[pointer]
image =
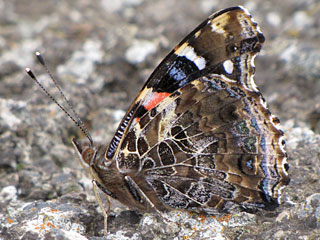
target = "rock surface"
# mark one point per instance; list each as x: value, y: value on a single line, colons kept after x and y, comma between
x: 92, y: 47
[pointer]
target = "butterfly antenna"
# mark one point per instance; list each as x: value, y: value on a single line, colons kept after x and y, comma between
x: 78, y: 122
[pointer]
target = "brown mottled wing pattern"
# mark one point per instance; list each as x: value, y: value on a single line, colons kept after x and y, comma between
x: 207, y: 146
x: 199, y: 136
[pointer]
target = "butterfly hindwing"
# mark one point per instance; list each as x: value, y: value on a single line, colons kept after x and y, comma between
x: 198, y: 150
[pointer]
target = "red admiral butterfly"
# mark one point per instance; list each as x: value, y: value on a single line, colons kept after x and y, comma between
x: 199, y: 135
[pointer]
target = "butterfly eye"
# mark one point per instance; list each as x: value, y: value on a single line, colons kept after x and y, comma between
x: 87, y: 155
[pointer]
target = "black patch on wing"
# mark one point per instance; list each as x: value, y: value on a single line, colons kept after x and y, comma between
x: 177, y: 75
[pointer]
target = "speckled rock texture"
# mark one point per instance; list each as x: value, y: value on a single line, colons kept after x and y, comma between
x: 102, y: 52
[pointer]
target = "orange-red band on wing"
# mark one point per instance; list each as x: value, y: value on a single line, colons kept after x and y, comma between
x: 155, y: 100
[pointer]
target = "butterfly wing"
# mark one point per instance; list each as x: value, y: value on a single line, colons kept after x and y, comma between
x: 199, y: 135
x: 224, y: 44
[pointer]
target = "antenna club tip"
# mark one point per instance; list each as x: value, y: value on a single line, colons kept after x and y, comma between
x: 40, y: 59
x: 30, y: 73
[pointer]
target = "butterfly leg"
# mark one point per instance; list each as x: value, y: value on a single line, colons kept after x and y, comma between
x: 132, y: 184
x: 105, y: 213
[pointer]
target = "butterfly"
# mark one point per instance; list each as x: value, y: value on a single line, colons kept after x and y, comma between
x: 199, y: 135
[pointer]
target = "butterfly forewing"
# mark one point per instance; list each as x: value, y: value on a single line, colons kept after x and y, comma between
x: 223, y: 44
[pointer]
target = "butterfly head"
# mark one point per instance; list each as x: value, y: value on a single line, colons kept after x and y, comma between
x: 88, y: 153
x: 92, y: 157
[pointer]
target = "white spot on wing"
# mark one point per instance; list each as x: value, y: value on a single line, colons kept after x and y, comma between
x: 228, y: 66
x: 282, y: 145
x: 276, y: 125
x: 200, y: 62
x: 190, y: 54
x: 215, y: 27
x: 224, y: 78
x: 253, y: 84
